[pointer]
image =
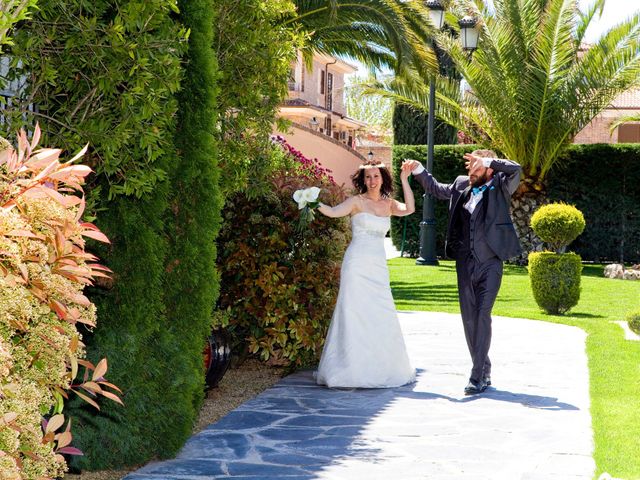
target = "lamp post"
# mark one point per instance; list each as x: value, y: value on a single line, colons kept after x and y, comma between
x: 370, y: 155
x: 313, y: 124
x: 469, y: 34
x: 428, y: 223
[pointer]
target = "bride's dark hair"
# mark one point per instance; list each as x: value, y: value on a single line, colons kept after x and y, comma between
x: 387, y: 182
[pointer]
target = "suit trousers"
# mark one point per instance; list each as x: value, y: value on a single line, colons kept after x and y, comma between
x: 478, y: 285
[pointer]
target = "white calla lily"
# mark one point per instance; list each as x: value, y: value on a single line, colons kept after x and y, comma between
x: 311, y: 194
x: 297, y: 195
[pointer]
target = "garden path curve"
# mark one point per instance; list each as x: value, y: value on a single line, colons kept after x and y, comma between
x: 532, y: 424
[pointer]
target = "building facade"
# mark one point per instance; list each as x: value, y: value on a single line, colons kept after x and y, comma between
x: 599, y: 131
x: 319, y: 125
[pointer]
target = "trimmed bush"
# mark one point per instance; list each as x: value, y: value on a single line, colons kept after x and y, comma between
x: 555, y: 280
x: 633, y: 319
x: 558, y: 224
x: 555, y: 277
x: 279, y: 286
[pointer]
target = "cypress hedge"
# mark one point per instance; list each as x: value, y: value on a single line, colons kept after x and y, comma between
x: 135, y: 339
x: 410, y: 127
x: 191, y: 281
x: 601, y: 180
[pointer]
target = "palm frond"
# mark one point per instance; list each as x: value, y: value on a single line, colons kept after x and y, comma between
x: 532, y: 87
x: 398, y: 29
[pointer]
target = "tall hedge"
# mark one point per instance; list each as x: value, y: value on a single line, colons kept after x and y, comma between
x: 602, y: 181
x: 410, y: 127
x: 135, y: 338
x: 191, y: 281
x: 107, y: 73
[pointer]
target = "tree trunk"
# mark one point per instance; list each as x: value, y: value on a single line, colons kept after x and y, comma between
x: 531, y: 194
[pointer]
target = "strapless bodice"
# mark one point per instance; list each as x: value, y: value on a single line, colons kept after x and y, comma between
x: 365, y: 224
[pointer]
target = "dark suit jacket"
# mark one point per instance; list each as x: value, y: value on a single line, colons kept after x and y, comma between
x: 492, y: 231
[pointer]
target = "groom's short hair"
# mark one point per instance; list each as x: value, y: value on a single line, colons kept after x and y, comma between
x: 485, y: 153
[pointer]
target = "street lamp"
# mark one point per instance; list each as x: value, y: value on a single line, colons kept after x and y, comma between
x: 428, y: 223
x: 313, y: 124
x: 436, y: 12
x: 469, y: 34
x: 370, y: 155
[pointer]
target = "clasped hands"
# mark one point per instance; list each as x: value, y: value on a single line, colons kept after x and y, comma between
x: 472, y: 162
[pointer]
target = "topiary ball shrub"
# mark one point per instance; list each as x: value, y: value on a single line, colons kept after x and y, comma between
x: 558, y: 224
x: 633, y: 319
x: 555, y: 280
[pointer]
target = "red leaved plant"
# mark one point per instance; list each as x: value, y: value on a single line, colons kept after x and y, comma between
x: 44, y: 267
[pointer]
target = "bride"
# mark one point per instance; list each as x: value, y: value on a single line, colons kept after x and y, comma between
x: 364, y: 347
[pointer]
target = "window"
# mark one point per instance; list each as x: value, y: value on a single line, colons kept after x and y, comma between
x: 292, y: 80
x: 322, y: 74
x: 302, y: 79
x: 329, y: 98
x: 327, y: 125
x: 629, y: 133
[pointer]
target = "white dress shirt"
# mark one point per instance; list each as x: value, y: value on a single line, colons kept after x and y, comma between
x: 474, y: 199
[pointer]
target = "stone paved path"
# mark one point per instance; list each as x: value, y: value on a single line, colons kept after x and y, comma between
x: 533, y: 424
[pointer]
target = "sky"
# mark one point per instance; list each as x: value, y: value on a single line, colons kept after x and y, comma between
x: 615, y: 11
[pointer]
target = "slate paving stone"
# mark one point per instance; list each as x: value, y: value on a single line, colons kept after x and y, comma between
x: 295, y: 460
x: 182, y: 466
x: 290, y: 433
x: 323, y: 421
x: 243, y: 420
x: 217, y: 446
x: 261, y: 470
x: 533, y: 424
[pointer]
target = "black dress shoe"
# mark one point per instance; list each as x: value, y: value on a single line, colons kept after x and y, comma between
x: 473, y: 387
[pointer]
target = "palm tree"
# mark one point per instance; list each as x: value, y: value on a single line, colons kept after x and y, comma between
x: 380, y: 33
x: 532, y: 83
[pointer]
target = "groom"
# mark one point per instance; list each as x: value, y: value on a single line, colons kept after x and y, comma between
x: 480, y: 236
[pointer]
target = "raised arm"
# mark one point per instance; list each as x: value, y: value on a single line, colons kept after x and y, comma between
x: 439, y: 190
x: 400, y: 209
x: 511, y: 170
x: 341, y: 210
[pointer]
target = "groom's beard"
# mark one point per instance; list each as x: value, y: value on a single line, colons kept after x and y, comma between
x: 476, y: 180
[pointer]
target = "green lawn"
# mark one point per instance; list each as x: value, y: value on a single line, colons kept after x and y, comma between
x: 614, y: 363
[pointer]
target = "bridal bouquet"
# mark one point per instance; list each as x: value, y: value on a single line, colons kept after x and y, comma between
x: 307, y: 200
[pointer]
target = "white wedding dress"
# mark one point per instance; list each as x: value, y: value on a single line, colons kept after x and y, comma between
x: 364, y: 347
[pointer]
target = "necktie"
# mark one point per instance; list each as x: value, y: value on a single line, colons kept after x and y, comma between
x: 478, y: 190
